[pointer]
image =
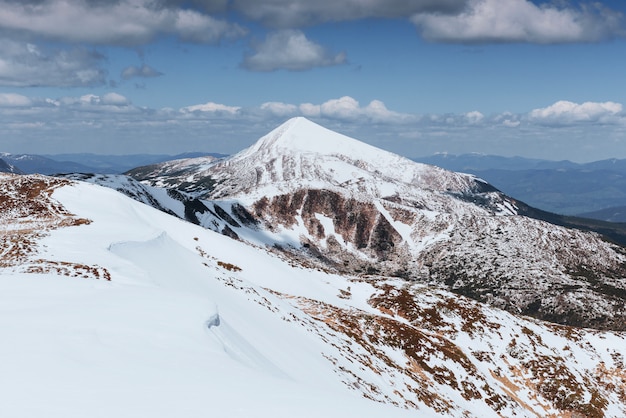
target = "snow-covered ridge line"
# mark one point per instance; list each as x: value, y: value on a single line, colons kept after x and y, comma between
x: 206, y: 321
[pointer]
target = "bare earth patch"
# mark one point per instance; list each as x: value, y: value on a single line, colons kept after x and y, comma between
x: 28, y: 213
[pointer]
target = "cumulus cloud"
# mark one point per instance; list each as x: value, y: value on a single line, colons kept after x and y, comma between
x: 300, y: 13
x: 520, y: 21
x: 290, y: 50
x: 279, y: 108
x: 121, y: 22
x: 511, y: 123
x: 349, y: 109
x: 27, y: 65
x: 474, y: 117
x: 565, y: 112
x: 145, y: 71
x: 14, y: 100
x: 211, y: 107
x: 115, y: 99
x: 345, y: 108
x: 310, y: 110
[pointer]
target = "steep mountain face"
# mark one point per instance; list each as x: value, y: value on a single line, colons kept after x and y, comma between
x: 334, y: 202
x: 105, y: 302
x: 8, y: 168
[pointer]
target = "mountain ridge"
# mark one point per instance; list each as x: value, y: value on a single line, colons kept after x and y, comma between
x: 395, y: 217
x: 104, y: 305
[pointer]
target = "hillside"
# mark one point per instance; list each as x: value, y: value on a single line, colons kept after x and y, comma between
x: 107, y: 302
x: 327, y: 200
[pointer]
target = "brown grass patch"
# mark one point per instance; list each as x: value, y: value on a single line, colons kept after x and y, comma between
x: 28, y: 213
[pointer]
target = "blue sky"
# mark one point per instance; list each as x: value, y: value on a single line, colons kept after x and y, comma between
x: 509, y: 77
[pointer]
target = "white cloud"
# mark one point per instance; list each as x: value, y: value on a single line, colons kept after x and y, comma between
x: 565, y: 112
x: 290, y: 50
x: 520, y: 21
x: 279, y: 109
x: 509, y: 123
x: 190, y: 25
x: 27, y: 65
x: 14, y: 100
x: 115, y: 99
x: 378, y: 112
x: 343, y: 108
x: 348, y: 108
x: 474, y: 117
x: 310, y: 110
x: 211, y: 107
x: 121, y: 22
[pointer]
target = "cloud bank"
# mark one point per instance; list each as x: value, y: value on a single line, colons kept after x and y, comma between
x: 564, y: 112
x: 82, y: 29
x: 121, y: 22
x: 111, y: 123
x: 498, y: 21
x: 24, y: 64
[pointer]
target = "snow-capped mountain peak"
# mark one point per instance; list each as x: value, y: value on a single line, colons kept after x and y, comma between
x: 302, y: 154
x: 301, y: 135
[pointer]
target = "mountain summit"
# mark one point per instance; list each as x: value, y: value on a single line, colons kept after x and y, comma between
x: 300, y: 153
x: 300, y: 135
x: 324, y: 199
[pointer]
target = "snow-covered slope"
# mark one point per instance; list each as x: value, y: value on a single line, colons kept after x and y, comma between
x: 184, y: 174
x: 334, y: 202
x: 111, y: 308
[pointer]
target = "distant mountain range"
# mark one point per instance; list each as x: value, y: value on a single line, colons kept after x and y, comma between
x: 89, y: 163
x: 596, y: 189
x: 8, y: 168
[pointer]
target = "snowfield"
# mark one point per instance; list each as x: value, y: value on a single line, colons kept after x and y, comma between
x: 188, y: 322
x: 165, y: 336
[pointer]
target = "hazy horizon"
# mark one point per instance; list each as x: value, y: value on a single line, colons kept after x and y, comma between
x: 523, y: 78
